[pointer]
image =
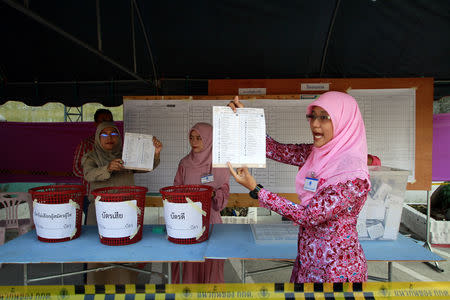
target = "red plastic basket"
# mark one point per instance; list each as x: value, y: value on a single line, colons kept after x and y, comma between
x: 59, y: 194
x: 119, y: 194
x: 197, y: 193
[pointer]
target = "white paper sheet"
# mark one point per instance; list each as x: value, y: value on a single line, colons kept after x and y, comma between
x: 54, y: 221
x: 392, y: 221
x: 375, y: 210
x: 375, y: 231
x: 239, y: 138
x: 116, y: 219
x: 183, y: 221
x: 138, y: 151
x: 361, y: 222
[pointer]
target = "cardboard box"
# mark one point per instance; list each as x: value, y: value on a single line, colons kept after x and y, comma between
x: 379, y: 219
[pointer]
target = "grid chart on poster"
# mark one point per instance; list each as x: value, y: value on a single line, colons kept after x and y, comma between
x: 275, y: 233
x: 389, y: 117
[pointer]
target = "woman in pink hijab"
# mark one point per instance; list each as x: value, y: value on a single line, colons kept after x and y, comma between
x: 196, y: 168
x: 332, y: 185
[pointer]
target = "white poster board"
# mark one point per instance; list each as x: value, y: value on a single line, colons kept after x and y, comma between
x: 389, y: 119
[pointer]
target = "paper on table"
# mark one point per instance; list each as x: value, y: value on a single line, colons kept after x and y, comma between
x: 138, y: 151
x: 375, y: 209
x: 239, y: 138
x: 376, y: 231
x: 361, y: 222
x: 393, y: 217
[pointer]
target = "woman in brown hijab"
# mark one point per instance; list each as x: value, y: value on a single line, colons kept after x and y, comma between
x: 103, y: 167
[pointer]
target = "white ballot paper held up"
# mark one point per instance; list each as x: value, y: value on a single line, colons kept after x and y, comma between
x: 138, y: 151
x: 239, y: 138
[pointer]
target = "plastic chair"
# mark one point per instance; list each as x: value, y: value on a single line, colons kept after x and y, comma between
x: 10, y: 203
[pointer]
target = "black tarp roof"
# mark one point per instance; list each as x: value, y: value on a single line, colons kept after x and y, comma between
x: 50, y: 50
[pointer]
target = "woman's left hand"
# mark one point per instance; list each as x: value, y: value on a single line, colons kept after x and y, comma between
x: 158, y: 146
x: 115, y: 165
x: 243, y: 177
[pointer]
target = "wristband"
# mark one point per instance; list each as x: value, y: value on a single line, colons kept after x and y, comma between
x: 254, y: 193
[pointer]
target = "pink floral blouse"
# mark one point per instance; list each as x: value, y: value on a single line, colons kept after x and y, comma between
x: 328, y: 246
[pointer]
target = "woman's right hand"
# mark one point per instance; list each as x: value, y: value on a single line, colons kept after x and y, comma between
x: 115, y: 165
x: 235, y: 104
x: 243, y: 177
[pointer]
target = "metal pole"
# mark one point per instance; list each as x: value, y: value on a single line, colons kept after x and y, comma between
x: 389, y: 271
x: 42, y: 21
x: 99, y: 25
x: 138, y: 12
x: 243, y: 270
x: 25, y: 274
x: 434, y: 265
x: 330, y: 30
x: 169, y: 272
x: 133, y: 36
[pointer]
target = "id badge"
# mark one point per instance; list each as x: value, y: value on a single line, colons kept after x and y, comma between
x: 207, y: 178
x: 311, y: 184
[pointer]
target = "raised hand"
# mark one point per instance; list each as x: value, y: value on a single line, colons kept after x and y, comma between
x: 243, y: 177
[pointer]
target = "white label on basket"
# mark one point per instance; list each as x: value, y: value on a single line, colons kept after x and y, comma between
x: 116, y: 219
x: 183, y: 221
x: 54, y: 221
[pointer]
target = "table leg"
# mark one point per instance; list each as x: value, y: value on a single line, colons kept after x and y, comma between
x: 181, y: 272
x: 169, y: 272
x: 243, y: 270
x: 25, y: 274
x: 389, y: 271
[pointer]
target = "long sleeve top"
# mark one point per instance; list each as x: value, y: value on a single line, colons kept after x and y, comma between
x: 99, y: 177
x: 328, y: 246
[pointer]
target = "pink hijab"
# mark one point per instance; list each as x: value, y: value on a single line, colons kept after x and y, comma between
x: 345, y: 156
x: 200, y: 163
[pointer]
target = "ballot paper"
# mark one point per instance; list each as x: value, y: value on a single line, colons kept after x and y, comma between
x: 138, y: 151
x: 239, y: 138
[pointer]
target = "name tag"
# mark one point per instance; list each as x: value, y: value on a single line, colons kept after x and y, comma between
x: 311, y: 184
x: 207, y: 178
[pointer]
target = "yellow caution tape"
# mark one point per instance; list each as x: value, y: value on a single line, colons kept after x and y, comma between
x: 367, y: 290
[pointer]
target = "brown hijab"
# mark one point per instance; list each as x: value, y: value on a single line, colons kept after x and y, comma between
x: 99, y: 155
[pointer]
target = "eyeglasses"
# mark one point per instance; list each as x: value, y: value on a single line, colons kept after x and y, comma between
x: 112, y: 134
x: 322, y: 119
